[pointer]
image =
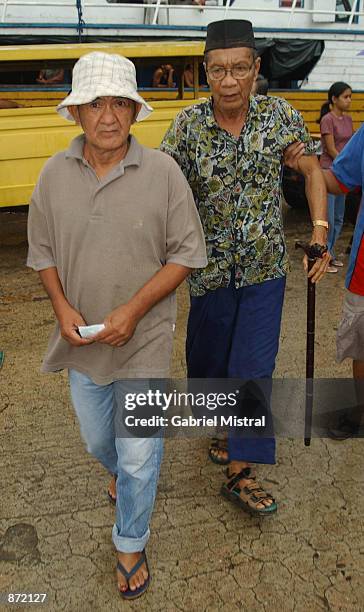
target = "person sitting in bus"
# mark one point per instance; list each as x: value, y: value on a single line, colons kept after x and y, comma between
x: 188, y: 76
x: 8, y: 103
x: 163, y: 76
x: 51, y: 76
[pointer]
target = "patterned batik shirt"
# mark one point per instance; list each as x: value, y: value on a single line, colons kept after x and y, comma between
x: 236, y: 183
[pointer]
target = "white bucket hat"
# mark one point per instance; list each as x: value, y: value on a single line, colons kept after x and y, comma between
x: 103, y: 74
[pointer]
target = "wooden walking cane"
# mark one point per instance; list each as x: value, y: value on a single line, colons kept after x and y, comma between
x: 313, y: 252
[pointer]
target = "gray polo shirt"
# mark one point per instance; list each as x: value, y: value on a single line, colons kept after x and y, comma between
x: 107, y: 238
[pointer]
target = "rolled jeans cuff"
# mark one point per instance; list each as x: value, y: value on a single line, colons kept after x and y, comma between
x: 129, y: 545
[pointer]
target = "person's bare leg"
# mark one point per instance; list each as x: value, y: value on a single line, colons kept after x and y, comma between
x: 347, y: 425
x: 112, y: 488
x: 358, y: 369
x: 358, y: 374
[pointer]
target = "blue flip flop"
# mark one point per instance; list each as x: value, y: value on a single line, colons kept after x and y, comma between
x: 129, y: 594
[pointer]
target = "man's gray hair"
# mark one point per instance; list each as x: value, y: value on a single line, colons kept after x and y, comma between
x: 255, y: 55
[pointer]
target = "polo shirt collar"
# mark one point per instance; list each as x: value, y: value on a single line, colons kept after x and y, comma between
x: 132, y: 158
x: 134, y: 154
x: 76, y: 147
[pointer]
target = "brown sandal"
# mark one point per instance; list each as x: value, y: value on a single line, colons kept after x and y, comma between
x: 250, y: 496
x: 217, y: 446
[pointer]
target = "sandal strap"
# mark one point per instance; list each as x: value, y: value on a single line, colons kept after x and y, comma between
x: 251, y: 494
x: 254, y: 487
x: 235, y: 478
x: 134, y: 569
x: 253, y: 490
x: 218, y: 445
x: 218, y: 441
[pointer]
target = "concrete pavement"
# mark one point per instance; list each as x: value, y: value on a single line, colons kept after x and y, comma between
x: 204, y: 554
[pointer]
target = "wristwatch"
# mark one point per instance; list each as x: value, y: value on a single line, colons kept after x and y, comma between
x: 321, y: 223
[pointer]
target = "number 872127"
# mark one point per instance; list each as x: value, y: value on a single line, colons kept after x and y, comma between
x: 26, y: 598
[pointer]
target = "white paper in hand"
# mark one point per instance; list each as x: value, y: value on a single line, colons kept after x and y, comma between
x: 88, y: 331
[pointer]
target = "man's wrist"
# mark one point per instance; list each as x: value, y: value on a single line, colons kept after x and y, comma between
x: 135, y: 308
x: 319, y: 234
x: 320, y: 230
x: 61, y: 306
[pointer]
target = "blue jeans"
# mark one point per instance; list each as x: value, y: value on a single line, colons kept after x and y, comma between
x: 336, y: 211
x: 135, y: 461
x: 234, y: 333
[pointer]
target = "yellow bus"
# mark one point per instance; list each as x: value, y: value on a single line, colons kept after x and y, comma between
x: 33, y: 132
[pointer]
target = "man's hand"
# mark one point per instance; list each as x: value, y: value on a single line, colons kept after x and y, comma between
x: 293, y: 154
x: 120, y: 325
x: 319, y: 236
x: 69, y: 319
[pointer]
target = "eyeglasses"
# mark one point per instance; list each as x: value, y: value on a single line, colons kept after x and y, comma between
x: 116, y: 103
x: 237, y: 72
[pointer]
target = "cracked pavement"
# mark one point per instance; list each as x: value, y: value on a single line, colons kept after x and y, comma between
x: 204, y: 553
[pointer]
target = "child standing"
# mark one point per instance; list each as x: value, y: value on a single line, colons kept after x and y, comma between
x: 336, y: 130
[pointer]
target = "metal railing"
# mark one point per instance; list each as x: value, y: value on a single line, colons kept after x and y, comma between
x: 157, y: 5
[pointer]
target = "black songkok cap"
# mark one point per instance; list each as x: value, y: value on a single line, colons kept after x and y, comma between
x: 229, y: 33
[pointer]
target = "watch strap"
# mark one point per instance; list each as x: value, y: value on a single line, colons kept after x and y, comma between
x: 321, y: 223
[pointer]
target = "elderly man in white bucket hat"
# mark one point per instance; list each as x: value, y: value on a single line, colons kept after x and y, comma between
x: 113, y: 230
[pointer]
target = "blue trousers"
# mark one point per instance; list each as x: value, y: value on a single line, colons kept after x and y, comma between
x: 234, y: 333
x: 336, y: 211
x: 135, y: 461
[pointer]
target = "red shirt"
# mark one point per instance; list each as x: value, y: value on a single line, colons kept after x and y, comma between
x: 357, y: 280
